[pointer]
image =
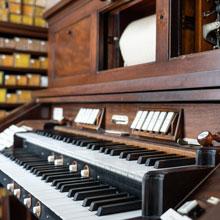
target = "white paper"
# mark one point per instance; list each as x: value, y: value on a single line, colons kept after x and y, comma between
x: 138, y: 41
x: 58, y: 114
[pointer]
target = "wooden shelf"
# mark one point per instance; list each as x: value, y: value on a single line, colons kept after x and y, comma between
x: 23, y: 70
x: 16, y: 87
x: 23, y: 30
x: 11, y: 51
x: 9, y: 105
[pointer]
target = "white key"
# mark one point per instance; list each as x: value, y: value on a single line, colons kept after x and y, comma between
x: 147, y: 121
x: 57, y: 202
x: 153, y: 121
x: 123, y: 167
x: 136, y: 120
x: 160, y: 121
x: 94, y: 116
x: 78, y: 116
x: 142, y: 120
x: 167, y: 122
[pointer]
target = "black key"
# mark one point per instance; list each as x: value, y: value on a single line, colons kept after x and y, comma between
x: 90, y: 145
x: 29, y: 166
x: 78, y: 180
x: 70, y: 186
x: 56, y: 182
x: 102, y: 149
x: 119, y: 207
x: 152, y: 161
x: 61, y: 176
x: 116, y: 152
x: 124, y: 154
x: 72, y: 192
x: 135, y: 156
x: 90, y: 193
x: 174, y: 163
x: 85, y: 143
x: 47, y: 167
x: 143, y: 159
x: 45, y: 176
x: 109, y: 149
x: 95, y: 205
x: 87, y: 201
x: 98, y: 146
x: 40, y: 167
x: 55, y: 170
x: 33, y: 162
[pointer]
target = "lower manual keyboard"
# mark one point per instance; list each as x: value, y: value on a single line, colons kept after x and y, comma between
x: 49, y: 196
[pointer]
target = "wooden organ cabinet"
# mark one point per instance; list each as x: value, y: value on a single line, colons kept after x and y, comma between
x: 128, y: 127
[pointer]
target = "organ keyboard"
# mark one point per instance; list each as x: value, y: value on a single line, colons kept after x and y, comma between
x: 57, y: 175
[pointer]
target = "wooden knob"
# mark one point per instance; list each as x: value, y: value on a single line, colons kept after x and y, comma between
x: 205, y: 139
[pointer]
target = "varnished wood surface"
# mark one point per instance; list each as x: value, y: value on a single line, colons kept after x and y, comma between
x: 59, y: 6
x: 207, y: 188
x: 72, y: 49
x: 205, y: 95
x: 196, y: 117
x: 125, y: 140
x: 35, y: 124
x: 165, y: 82
x: 27, y: 111
x: 23, y: 30
x: 70, y: 12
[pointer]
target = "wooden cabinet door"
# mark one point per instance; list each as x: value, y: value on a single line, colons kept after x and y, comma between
x: 72, y: 49
x: 73, y: 37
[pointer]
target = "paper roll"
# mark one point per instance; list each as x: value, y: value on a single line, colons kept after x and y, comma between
x: 138, y: 41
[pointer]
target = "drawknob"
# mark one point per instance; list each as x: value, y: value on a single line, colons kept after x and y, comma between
x: 85, y: 171
x: 206, y: 138
x: 73, y: 167
x: 37, y: 209
x: 10, y: 187
x: 27, y: 202
x: 51, y: 158
x: 17, y: 193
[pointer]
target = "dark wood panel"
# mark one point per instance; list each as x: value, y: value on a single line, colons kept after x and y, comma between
x: 23, y: 30
x: 197, y: 117
x: 72, y: 49
x: 206, y: 95
x: 27, y: 111
x: 23, y: 70
x: 11, y: 50
x: 183, y: 81
x: 163, y: 11
x: 206, y: 61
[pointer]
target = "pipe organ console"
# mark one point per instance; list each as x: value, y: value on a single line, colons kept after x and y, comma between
x: 120, y: 135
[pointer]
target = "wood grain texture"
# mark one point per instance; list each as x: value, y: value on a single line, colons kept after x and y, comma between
x: 169, y: 82
x: 23, y: 30
x: 196, y: 117
x: 72, y: 49
x: 130, y: 141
